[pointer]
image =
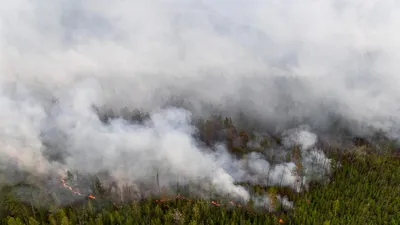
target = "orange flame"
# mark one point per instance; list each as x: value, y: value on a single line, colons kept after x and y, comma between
x: 280, y: 220
x: 74, y: 190
x: 164, y: 199
x: 214, y: 203
x: 91, y: 196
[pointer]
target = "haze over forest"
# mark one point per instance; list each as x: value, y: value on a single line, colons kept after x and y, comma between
x: 73, y: 74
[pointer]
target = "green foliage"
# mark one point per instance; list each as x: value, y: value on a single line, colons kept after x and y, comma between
x: 361, y: 192
x: 364, y: 189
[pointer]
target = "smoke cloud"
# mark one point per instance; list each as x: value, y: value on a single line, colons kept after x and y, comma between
x: 280, y: 63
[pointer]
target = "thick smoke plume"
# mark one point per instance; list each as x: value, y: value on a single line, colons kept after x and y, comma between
x: 282, y: 64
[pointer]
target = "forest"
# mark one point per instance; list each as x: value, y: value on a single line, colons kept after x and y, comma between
x: 199, y: 112
x: 363, y: 188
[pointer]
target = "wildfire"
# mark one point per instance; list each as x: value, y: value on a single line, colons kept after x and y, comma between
x: 214, y: 203
x: 74, y: 190
x: 91, y: 196
x: 164, y: 199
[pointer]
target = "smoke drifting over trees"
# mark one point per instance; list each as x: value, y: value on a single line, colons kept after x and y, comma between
x: 305, y: 70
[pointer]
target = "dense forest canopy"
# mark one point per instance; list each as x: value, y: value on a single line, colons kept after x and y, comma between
x: 199, y: 112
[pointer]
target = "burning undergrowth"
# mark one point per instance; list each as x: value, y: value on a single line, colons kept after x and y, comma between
x: 287, y: 94
x: 85, y: 152
x: 163, y: 152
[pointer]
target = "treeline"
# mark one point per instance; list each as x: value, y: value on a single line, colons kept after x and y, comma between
x: 148, y: 212
x: 365, y: 189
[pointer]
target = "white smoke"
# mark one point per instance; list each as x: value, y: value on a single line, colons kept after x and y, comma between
x: 265, y: 202
x: 279, y: 62
x: 130, y: 152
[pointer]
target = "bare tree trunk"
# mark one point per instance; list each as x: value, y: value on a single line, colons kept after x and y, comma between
x: 158, y: 183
